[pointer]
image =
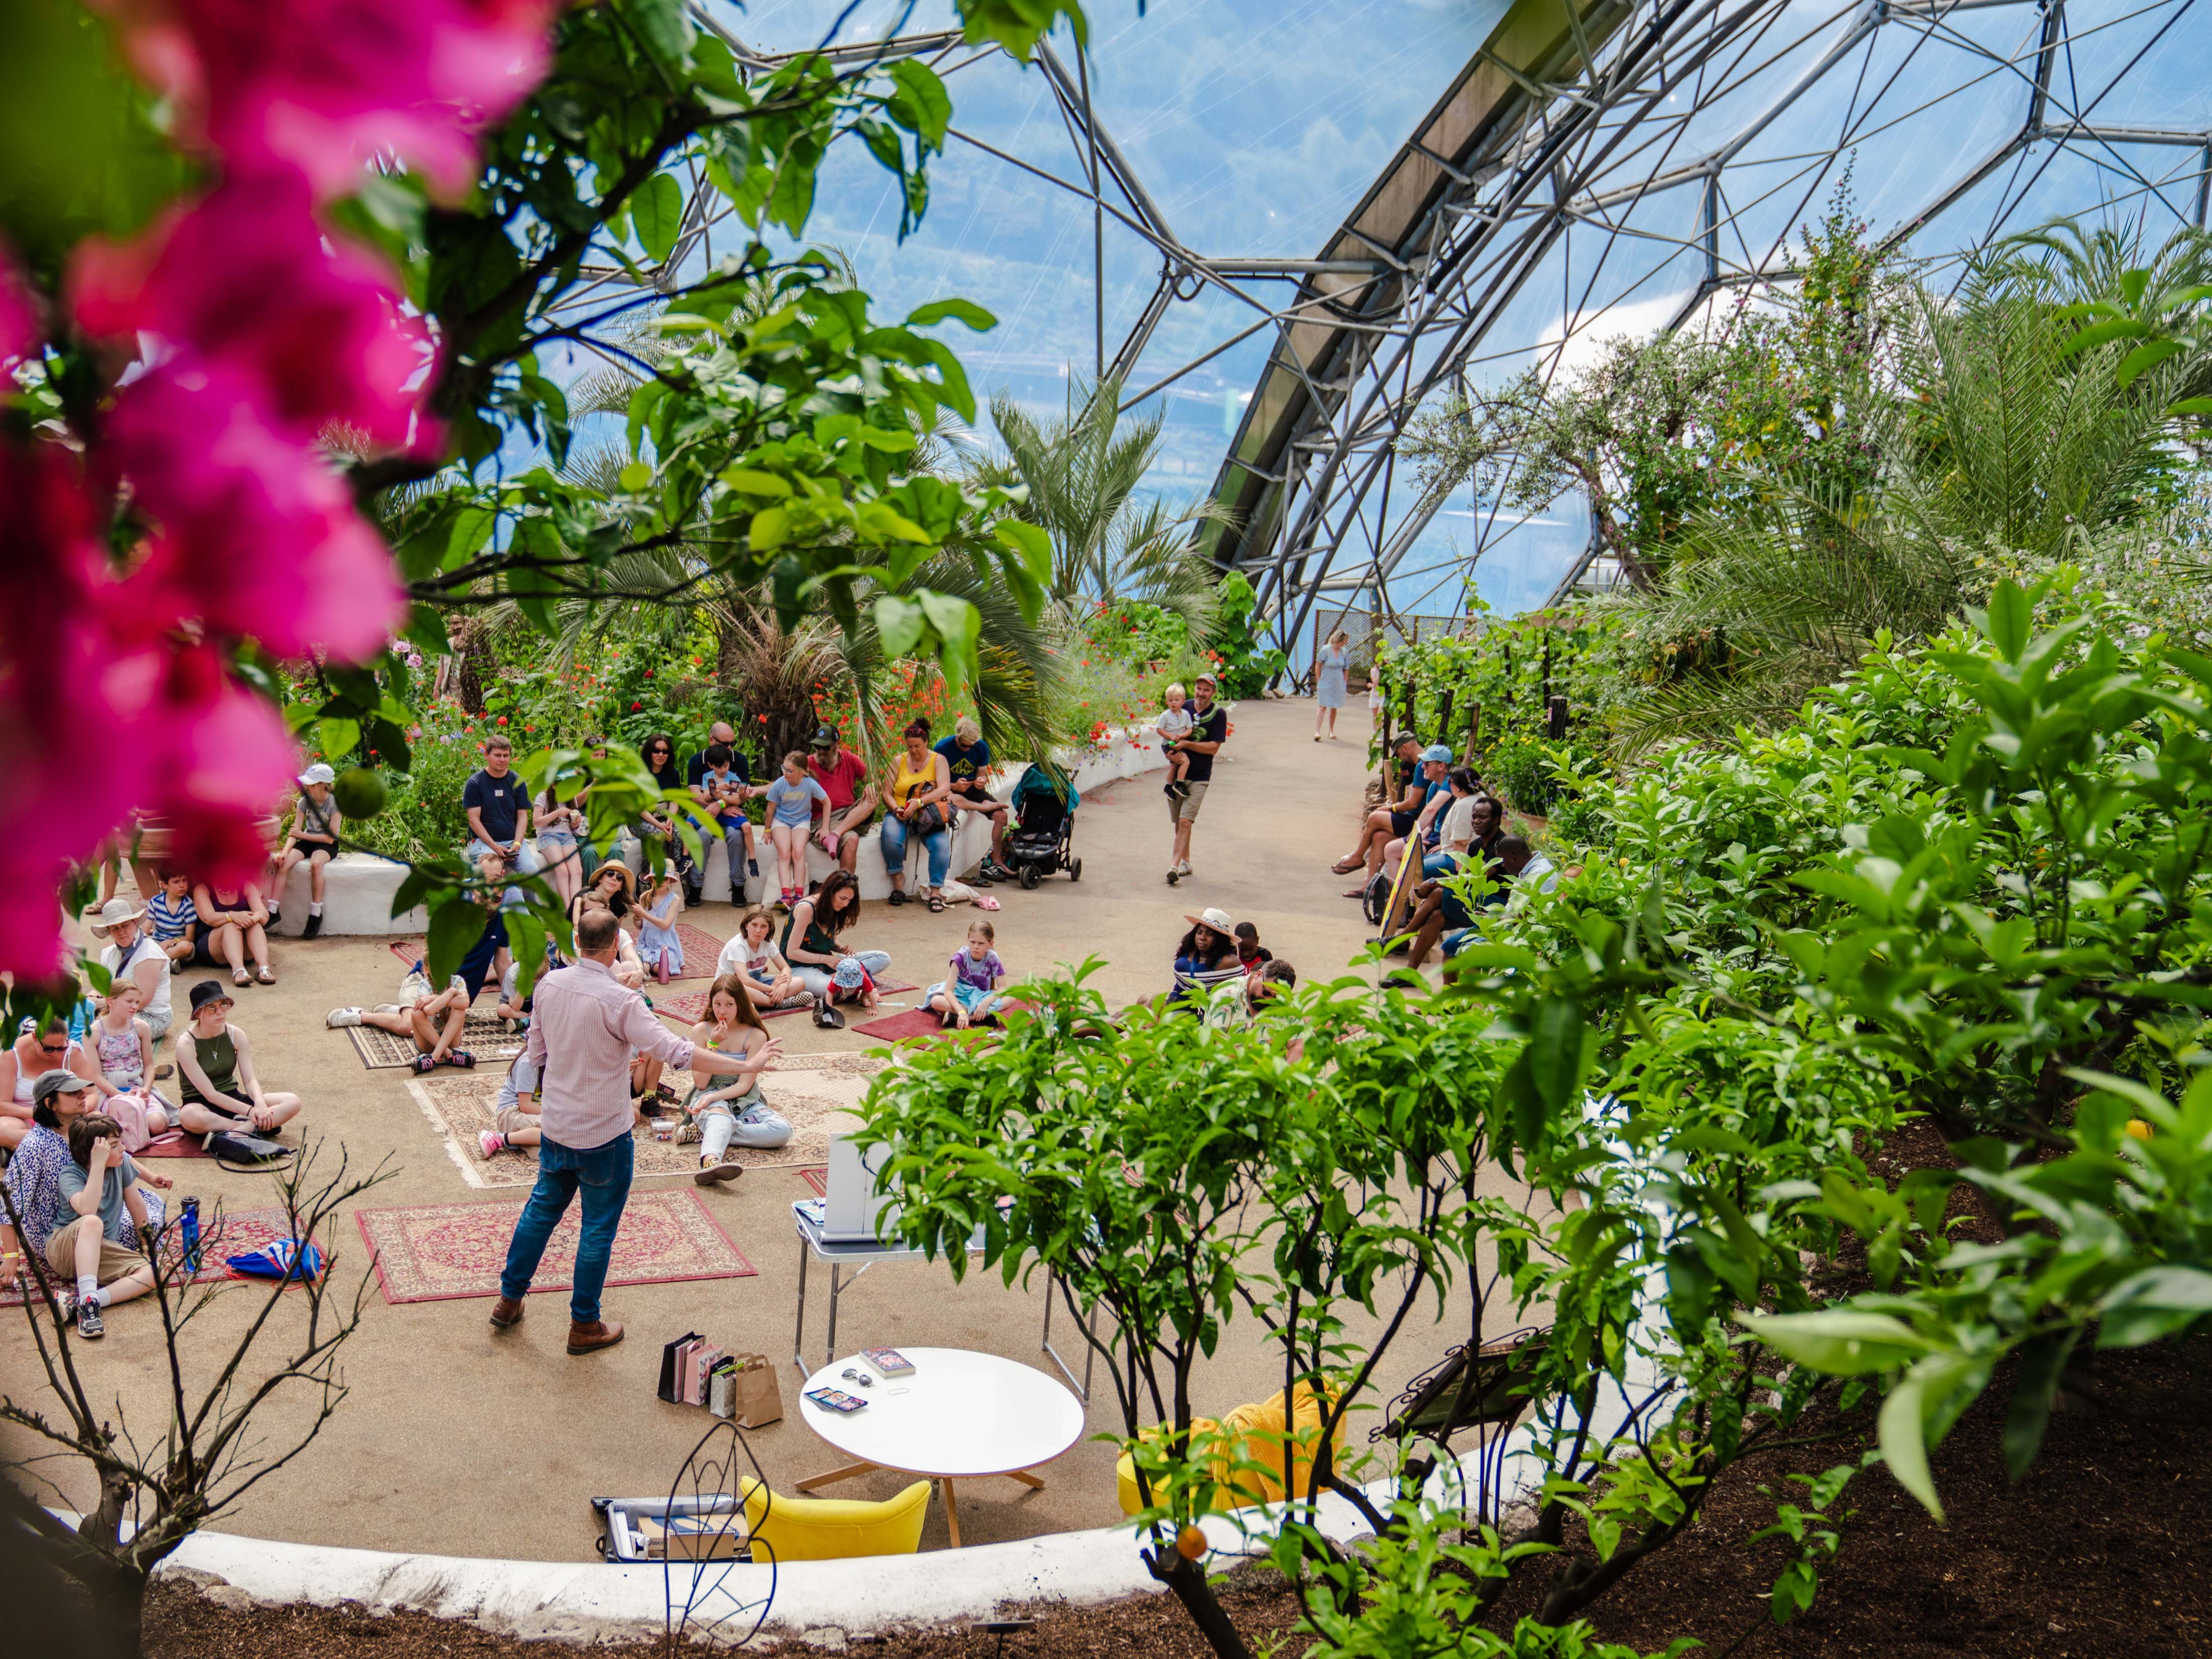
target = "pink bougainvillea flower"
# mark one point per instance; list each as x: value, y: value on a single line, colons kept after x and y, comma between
x: 323, y: 86
x: 256, y: 535
x: 223, y: 756
x: 244, y: 279
x: 18, y: 316
x: 63, y: 684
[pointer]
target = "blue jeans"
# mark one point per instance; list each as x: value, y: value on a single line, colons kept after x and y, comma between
x: 602, y: 1173
x: 896, y: 831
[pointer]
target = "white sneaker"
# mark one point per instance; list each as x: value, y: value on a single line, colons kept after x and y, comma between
x: 1183, y: 868
x: 339, y: 1017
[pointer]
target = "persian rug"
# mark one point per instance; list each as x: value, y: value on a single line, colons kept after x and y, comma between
x: 446, y: 1252
x: 919, y: 1023
x: 818, y: 1105
x: 483, y: 1035
x: 817, y: 1179
x: 231, y: 1232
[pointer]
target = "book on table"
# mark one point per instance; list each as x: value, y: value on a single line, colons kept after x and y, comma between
x: 888, y: 1362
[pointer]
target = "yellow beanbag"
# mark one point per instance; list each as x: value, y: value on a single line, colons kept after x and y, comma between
x: 1125, y: 1472
x: 832, y: 1529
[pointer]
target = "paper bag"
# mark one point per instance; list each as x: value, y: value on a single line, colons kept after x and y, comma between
x: 754, y: 1395
x: 671, y: 1363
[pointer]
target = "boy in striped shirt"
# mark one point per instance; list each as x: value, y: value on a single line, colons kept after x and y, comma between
x: 174, y: 919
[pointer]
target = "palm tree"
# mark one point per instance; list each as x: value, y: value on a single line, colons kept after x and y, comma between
x: 1083, y: 472
x: 2000, y: 449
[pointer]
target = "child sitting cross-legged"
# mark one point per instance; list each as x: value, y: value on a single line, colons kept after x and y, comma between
x: 728, y: 1109
x: 971, y: 992
x: 514, y: 1119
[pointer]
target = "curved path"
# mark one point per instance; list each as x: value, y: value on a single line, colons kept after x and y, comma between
x: 453, y: 1443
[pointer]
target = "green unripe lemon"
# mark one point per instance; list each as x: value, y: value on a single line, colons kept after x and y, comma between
x: 360, y: 791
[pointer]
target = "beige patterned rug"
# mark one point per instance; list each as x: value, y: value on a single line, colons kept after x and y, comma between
x: 818, y: 1102
x: 484, y: 1036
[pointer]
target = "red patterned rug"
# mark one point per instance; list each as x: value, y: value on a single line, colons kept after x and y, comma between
x: 817, y: 1179
x: 691, y: 1007
x: 231, y: 1232
x: 919, y: 1023
x: 443, y: 1252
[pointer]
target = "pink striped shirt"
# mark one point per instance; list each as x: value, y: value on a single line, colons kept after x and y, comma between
x: 583, y: 1026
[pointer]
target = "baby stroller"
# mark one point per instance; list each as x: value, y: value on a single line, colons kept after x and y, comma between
x: 1043, y: 828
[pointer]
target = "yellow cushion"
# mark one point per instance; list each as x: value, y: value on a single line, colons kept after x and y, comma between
x: 1257, y: 1434
x: 831, y: 1528
x: 1125, y: 1472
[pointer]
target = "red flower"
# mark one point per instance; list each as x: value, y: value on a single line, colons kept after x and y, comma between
x: 502, y: 720
x: 634, y: 707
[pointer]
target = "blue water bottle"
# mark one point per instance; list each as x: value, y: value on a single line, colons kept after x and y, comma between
x: 189, y: 1220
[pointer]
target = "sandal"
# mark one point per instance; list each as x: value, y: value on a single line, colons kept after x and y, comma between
x: 238, y: 977
x: 898, y: 897
x: 1345, y: 866
x: 263, y: 976
x: 936, y: 902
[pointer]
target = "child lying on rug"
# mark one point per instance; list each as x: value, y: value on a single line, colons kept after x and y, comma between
x: 434, y: 1019
x: 728, y: 1109
x: 514, y: 1119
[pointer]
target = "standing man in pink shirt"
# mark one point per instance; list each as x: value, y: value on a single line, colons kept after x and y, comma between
x: 583, y: 1031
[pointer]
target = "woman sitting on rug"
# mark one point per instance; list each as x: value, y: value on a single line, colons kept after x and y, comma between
x: 753, y: 956
x: 613, y: 886
x: 220, y: 1093
x: 31, y: 1056
x: 727, y: 1108
x: 1206, y: 954
x: 828, y: 970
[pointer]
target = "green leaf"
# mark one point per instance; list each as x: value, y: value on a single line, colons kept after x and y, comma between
x: 665, y: 26
x: 899, y: 622
x: 2154, y: 1303
x: 636, y: 478
x: 1840, y: 1341
x: 657, y: 211
x: 2042, y: 1362
x: 749, y: 481
x: 338, y: 739
x: 2010, y: 618
x: 966, y: 310
x: 1904, y: 1425
x: 771, y: 529
x: 455, y: 926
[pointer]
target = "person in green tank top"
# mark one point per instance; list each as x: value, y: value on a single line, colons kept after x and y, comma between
x: 215, y: 1065
x: 811, y: 946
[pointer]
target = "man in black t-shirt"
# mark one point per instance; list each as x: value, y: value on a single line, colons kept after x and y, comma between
x: 1208, y: 733
x: 499, y: 815
x: 721, y: 784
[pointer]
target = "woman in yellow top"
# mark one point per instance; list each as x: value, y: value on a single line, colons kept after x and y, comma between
x: 919, y: 796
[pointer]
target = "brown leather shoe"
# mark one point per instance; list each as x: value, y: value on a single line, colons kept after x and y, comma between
x: 590, y: 1339
x: 507, y: 1311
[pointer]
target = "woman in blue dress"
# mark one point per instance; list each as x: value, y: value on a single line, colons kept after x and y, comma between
x: 1329, y: 666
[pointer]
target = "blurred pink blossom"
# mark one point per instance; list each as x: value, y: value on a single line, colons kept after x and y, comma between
x: 323, y: 86
x: 244, y: 278
x: 255, y: 534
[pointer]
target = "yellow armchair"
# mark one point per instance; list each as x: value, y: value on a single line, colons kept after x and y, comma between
x: 832, y: 1529
x: 1125, y: 1472
x: 1257, y: 1434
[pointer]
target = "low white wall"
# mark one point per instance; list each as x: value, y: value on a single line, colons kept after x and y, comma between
x: 358, y: 889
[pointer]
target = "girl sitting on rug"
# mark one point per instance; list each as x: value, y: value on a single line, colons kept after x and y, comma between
x: 970, y: 992
x: 753, y: 956
x: 728, y: 1107
x: 514, y: 1119
x: 659, y: 945
x: 123, y: 1044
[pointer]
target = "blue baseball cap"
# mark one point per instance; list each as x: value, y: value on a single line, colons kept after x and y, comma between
x: 1439, y: 753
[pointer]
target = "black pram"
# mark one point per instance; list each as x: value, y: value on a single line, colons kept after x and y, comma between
x: 1044, y: 828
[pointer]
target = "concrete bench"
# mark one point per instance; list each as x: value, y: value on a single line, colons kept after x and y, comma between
x: 359, y: 887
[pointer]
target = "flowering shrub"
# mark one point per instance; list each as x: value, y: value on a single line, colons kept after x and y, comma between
x: 262, y: 329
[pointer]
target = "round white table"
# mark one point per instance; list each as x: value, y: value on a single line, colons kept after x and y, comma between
x: 957, y: 1415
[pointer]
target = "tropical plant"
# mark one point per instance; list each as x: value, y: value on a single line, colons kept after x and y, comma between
x: 1083, y: 473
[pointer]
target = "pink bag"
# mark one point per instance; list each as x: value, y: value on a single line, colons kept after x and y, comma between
x: 128, y: 1110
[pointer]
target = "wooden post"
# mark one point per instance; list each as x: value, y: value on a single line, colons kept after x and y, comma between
x: 1555, y: 725
x: 1443, y: 718
x: 1473, y: 730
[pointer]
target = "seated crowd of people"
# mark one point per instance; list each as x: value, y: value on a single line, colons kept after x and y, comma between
x: 1435, y: 814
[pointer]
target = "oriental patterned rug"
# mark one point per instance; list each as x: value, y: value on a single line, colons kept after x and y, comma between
x: 485, y: 1037
x: 446, y: 1252
x: 818, y: 1103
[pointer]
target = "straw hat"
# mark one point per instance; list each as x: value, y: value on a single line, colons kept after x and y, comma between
x: 1217, y: 920
x: 114, y: 914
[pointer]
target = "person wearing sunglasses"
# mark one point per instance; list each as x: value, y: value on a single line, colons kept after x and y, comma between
x: 658, y: 753
x: 31, y: 1056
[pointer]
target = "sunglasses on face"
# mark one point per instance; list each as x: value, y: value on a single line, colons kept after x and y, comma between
x: 55, y: 1049
x: 658, y: 749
